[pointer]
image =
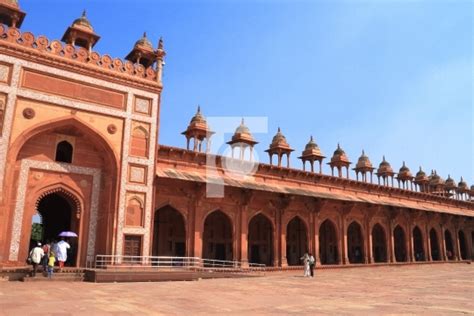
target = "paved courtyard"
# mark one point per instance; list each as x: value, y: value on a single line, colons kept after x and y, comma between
x: 421, y: 289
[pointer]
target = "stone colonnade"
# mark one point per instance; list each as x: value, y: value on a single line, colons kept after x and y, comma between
x: 260, y: 227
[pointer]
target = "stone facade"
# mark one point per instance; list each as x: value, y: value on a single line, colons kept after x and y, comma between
x: 81, y: 129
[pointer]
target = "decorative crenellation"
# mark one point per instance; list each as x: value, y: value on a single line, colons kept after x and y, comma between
x: 43, y: 45
x: 26, y: 165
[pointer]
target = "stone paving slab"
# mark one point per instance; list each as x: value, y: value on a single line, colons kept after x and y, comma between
x: 393, y: 290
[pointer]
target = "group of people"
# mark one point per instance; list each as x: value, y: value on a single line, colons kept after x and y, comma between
x: 47, y: 255
x: 308, y: 261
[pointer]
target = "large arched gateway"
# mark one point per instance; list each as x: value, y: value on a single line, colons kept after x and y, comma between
x: 217, y: 237
x: 399, y: 244
x: 260, y: 240
x: 59, y: 212
x: 296, y: 241
x: 169, y: 233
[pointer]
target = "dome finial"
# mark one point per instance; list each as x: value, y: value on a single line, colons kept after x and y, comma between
x: 279, y: 129
x: 243, y: 121
x: 363, y: 152
x: 160, y: 43
x: 383, y: 158
x: 338, y: 146
x: 84, y: 13
x: 403, y: 163
x: 144, y: 34
x: 199, y: 109
x: 311, y: 138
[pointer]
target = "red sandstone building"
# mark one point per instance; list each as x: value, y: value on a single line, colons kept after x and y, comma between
x: 79, y: 146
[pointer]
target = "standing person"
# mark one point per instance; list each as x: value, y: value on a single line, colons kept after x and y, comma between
x: 46, y: 250
x: 305, y: 259
x: 36, y: 254
x: 311, y: 261
x: 62, y: 248
x: 51, y: 261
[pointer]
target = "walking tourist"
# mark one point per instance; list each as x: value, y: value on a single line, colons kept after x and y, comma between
x: 312, y: 262
x: 36, y: 254
x: 305, y: 259
x: 46, y: 250
x: 51, y: 261
x: 62, y: 248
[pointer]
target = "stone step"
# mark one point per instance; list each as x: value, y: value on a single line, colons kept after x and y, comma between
x: 66, y: 277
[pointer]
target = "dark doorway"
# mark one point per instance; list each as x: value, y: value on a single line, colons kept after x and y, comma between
x: 328, y: 248
x: 379, y: 244
x: 355, y: 243
x: 217, y: 237
x: 400, y: 244
x: 462, y: 245
x: 418, y: 244
x: 260, y: 240
x: 57, y: 213
x: 449, y: 245
x: 434, y: 245
x: 296, y: 241
x: 169, y: 234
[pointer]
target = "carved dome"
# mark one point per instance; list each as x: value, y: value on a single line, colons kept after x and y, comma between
x: 11, y: 3
x: 144, y: 42
x: 435, y: 179
x: 83, y: 22
x: 450, y: 183
x: 279, y: 140
x: 242, y: 128
x: 404, y: 171
x: 462, y: 184
x: 339, y: 155
x: 311, y: 145
x: 384, y: 167
x: 421, y: 174
x: 363, y: 162
x: 198, y: 117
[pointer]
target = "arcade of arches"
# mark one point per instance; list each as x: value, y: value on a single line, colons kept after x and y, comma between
x: 280, y: 238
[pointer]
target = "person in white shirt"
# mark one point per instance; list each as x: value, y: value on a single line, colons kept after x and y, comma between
x: 61, y: 253
x: 36, y: 254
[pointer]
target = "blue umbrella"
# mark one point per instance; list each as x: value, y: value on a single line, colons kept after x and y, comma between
x: 68, y: 234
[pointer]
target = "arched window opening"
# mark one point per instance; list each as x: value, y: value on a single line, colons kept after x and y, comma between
x: 64, y: 152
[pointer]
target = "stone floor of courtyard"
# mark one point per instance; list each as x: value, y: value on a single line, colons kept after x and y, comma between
x: 412, y: 289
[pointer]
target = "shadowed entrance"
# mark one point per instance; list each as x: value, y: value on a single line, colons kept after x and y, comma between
x: 169, y: 235
x: 217, y: 237
x: 379, y: 244
x: 260, y: 240
x: 296, y: 242
x: 355, y: 243
x: 400, y: 244
x: 57, y: 212
x: 328, y: 243
x: 418, y: 244
x: 449, y: 245
x: 462, y: 245
x: 434, y: 245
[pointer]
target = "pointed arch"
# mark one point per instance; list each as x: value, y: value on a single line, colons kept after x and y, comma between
x: 399, y: 238
x: 434, y: 245
x: 260, y: 239
x: 296, y: 240
x: 355, y: 242
x: 328, y: 242
x: 169, y: 232
x: 217, y: 236
x: 418, y: 248
x: 379, y: 243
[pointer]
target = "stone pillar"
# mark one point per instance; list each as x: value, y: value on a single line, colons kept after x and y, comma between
x: 190, y: 228
x: 391, y: 258
x: 411, y: 245
x: 428, y: 244
x: 276, y: 239
x: 243, y: 244
x: 444, y: 257
x: 344, y: 250
x: 457, y: 245
x: 316, y: 240
x: 311, y: 244
x: 370, y: 247
x: 283, y: 260
x: 198, y: 232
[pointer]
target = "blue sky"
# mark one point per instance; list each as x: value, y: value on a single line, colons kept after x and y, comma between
x: 392, y: 77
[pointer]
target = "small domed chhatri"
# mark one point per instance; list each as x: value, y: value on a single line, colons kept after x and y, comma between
x: 10, y: 13
x: 81, y: 33
x: 279, y: 147
x: 421, y: 180
x: 385, y: 172
x: 143, y: 52
x: 463, y: 189
x: 363, y: 166
x: 199, y: 132
x: 404, y: 177
x: 339, y: 160
x: 436, y: 183
x: 242, y: 139
x: 312, y: 153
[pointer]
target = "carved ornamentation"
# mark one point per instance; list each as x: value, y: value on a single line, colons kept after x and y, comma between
x: 112, y: 129
x: 29, y: 113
